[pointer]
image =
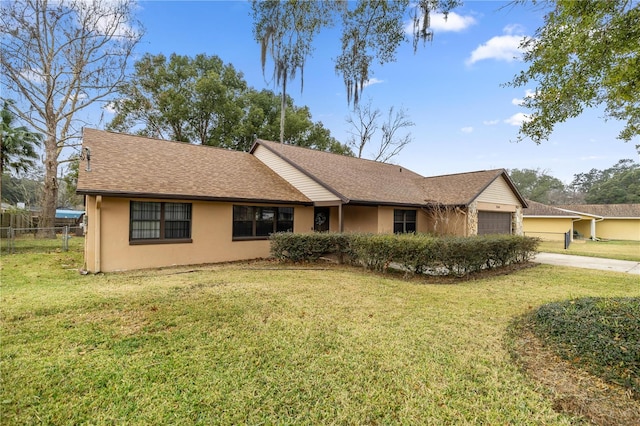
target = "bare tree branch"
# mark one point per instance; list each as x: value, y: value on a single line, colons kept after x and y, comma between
x: 59, y: 58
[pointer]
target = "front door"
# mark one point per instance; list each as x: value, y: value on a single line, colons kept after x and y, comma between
x: 321, y: 219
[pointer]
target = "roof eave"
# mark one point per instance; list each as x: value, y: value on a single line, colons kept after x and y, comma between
x: 124, y: 194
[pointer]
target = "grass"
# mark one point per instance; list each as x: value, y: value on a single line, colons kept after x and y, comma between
x: 264, y: 343
x: 614, y: 249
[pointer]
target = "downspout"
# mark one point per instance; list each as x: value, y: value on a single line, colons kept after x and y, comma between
x: 98, y: 232
x: 593, y: 228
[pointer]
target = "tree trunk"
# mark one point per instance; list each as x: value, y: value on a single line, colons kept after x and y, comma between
x: 50, y: 197
x: 282, y: 107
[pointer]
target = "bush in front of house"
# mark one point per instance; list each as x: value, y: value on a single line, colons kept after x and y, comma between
x: 414, y: 253
x: 602, y: 335
x: 287, y: 246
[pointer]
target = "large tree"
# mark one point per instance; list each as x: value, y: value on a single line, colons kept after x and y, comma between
x: 285, y: 31
x: 372, y: 30
x: 186, y: 99
x: 58, y: 59
x: 586, y: 54
x: 538, y: 185
x: 201, y: 100
x: 617, y: 184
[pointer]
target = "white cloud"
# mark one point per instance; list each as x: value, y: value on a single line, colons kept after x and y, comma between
x: 518, y: 119
x: 501, y: 48
x: 110, y: 107
x: 437, y: 22
x: 467, y: 129
x: 490, y: 122
x: 372, y: 81
x: 513, y: 29
x: 452, y: 22
x: 527, y: 94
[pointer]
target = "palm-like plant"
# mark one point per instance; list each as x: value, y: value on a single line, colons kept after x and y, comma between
x: 18, y: 145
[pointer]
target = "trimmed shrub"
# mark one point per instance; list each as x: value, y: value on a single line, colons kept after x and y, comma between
x: 415, y: 253
x: 600, y: 334
x: 307, y: 247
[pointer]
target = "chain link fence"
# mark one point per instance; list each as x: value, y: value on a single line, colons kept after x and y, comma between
x: 22, y: 240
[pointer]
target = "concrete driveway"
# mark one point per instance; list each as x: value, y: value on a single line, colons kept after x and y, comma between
x: 627, y: 266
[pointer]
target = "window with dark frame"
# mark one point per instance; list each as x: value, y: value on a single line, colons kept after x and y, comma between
x: 259, y: 222
x: 159, y: 222
x: 404, y: 221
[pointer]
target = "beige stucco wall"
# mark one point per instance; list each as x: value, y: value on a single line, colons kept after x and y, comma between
x: 547, y: 228
x: 445, y: 221
x: 618, y: 229
x: 360, y: 218
x: 107, y: 249
x: 385, y: 220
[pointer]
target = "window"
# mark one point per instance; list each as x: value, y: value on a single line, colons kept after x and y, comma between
x: 404, y: 221
x: 161, y: 222
x: 259, y: 222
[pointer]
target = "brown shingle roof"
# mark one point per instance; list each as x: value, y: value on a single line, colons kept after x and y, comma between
x: 354, y: 179
x: 460, y: 188
x: 605, y: 210
x: 358, y: 180
x: 539, y: 209
x: 139, y: 166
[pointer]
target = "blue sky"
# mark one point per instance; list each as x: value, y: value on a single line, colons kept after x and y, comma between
x: 451, y: 88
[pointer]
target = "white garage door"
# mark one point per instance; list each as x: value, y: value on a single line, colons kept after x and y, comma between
x: 494, y: 223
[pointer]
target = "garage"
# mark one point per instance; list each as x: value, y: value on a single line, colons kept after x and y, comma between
x: 494, y: 223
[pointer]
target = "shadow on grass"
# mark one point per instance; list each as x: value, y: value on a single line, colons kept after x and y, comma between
x: 572, y: 389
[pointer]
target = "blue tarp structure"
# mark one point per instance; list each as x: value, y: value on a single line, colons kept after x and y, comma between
x: 68, y: 214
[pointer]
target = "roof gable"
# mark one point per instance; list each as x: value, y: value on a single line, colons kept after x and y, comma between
x: 358, y: 180
x: 354, y: 180
x: 464, y: 188
x: 140, y: 166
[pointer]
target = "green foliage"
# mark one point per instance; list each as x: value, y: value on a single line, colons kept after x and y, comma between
x: 600, y: 334
x: 307, y: 247
x: 26, y: 190
x: 415, y: 253
x: 536, y: 184
x: 585, y: 55
x: 18, y: 144
x: 618, y: 184
x: 184, y: 99
x: 202, y: 100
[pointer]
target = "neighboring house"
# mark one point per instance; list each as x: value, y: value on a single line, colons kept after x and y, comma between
x: 548, y: 223
x: 592, y: 221
x: 153, y: 203
x: 606, y: 221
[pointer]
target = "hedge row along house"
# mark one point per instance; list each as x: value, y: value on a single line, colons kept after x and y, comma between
x: 588, y: 221
x: 153, y: 203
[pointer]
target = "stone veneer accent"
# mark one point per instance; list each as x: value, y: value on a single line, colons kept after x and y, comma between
x: 472, y: 219
x: 517, y: 221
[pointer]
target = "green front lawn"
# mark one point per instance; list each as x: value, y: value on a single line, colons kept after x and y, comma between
x: 264, y: 343
x: 622, y: 250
